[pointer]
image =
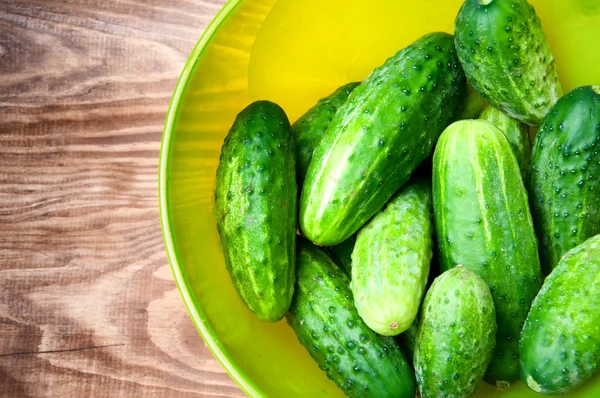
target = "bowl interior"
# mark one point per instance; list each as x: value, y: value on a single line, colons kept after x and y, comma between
x: 294, y: 53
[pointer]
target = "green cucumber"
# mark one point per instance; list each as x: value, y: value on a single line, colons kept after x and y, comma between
x: 309, y: 128
x: 564, y: 186
x: 517, y: 134
x: 456, y: 335
x: 483, y: 222
x: 385, y: 129
x: 470, y: 108
x: 505, y: 55
x: 255, y: 205
x: 409, y: 338
x: 342, y: 254
x: 391, y: 260
x: 323, y: 316
x: 472, y: 104
x: 560, y: 344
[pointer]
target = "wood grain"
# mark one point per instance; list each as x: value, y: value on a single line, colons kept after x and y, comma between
x: 88, y: 306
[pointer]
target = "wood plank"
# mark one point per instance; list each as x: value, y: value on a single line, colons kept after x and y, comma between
x: 88, y: 306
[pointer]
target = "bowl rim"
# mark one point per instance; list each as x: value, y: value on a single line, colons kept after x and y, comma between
x: 197, y: 315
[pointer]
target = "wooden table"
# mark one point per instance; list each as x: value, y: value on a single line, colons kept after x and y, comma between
x: 88, y: 305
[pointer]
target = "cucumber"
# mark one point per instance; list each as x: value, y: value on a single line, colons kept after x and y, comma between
x: 391, y: 260
x: 472, y: 104
x: 483, y: 221
x: 517, y: 134
x: 409, y: 339
x: 385, y: 129
x: 560, y: 344
x: 505, y: 55
x: 255, y: 205
x: 323, y: 316
x: 342, y: 254
x: 456, y: 335
x: 564, y: 186
x: 309, y: 128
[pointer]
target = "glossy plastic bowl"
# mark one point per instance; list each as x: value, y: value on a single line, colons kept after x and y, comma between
x: 294, y: 52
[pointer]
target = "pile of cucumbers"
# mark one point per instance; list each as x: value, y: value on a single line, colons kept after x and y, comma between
x: 415, y: 241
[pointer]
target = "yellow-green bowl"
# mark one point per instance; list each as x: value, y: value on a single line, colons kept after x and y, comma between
x: 294, y: 52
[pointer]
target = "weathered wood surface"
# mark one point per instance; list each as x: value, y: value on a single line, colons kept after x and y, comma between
x: 88, y: 306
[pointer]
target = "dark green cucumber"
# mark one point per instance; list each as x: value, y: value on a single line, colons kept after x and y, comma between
x: 517, y: 134
x: 456, y: 335
x: 342, y: 253
x: 564, y: 186
x: 391, y: 260
x: 409, y: 339
x: 385, y: 129
x: 309, y: 128
x: 560, y: 344
x: 483, y: 221
x: 472, y: 104
x: 506, y: 57
x: 360, y: 362
x: 255, y: 204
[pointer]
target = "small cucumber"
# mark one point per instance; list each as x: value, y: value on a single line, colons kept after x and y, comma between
x: 483, y: 222
x: 359, y: 361
x: 560, y: 344
x: 342, y: 254
x: 505, y: 55
x: 391, y: 260
x: 309, y: 128
x: 255, y: 205
x: 456, y: 335
x: 516, y: 133
x: 564, y: 186
x: 378, y: 137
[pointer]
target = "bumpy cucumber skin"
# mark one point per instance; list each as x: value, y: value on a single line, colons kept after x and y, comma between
x: 456, y: 335
x: 560, y: 344
x: 391, y: 260
x: 517, y: 134
x: 506, y: 57
x: 255, y: 204
x: 564, y: 186
x: 483, y: 221
x: 309, y: 128
x: 342, y: 254
x: 385, y: 129
x: 360, y: 362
